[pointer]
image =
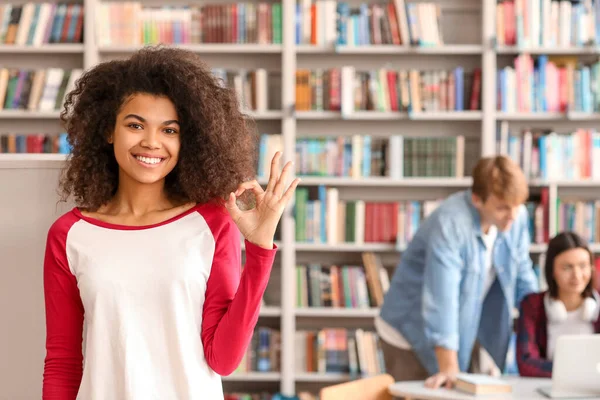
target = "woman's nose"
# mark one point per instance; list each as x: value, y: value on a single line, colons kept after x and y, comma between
x: 151, y: 139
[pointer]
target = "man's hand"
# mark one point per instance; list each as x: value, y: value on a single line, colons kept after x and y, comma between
x: 448, y: 365
x: 446, y: 379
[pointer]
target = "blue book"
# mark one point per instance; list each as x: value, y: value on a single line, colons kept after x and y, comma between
x: 459, y: 88
x: 262, y: 153
x: 242, y: 19
x: 366, y: 153
x: 21, y: 141
x: 63, y: 144
x: 365, y: 30
x: 59, y: 20
x: 322, y: 218
x: 75, y: 10
x: 355, y: 29
x: 343, y: 15
x: 298, y: 23
x: 586, y: 83
x: 542, y: 64
x: 34, y: 22
x: 543, y: 167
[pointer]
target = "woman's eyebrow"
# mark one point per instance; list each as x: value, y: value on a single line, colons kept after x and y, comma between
x: 142, y: 119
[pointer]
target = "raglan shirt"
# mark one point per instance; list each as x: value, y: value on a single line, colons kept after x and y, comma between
x: 152, y: 312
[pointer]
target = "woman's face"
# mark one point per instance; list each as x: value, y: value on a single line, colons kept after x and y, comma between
x: 146, y: 137
x: 572, y: 271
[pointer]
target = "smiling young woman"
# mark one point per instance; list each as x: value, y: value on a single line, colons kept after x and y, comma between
x: 143, y: 290
x: 570, y: 306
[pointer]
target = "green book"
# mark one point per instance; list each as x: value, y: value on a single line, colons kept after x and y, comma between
x: 276, y: 23
x: 62, y: 89
x: 13, y: 78
x: 350, y: 221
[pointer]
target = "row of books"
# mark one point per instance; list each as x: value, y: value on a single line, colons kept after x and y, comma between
x: 550, y: 83
x: 34, y: 143
x: 348, y: 90
x: 579, y: 216
x: 344, y: 286
x: 251, y: 87
x: 532, y: 23
x: 131, y: 23
x: 359, y: 156
x: 548, y: 23
x: 39, y: 23
x: 325, y: 22
x: 330, y: 350
x: 36, y: 90
x: 538, y: 211
x: 326, y: 219
x: 263, y: 353
x: 545, y: 154
x: 390, y: 23
x: 337, y: 350
x: 329, y: 220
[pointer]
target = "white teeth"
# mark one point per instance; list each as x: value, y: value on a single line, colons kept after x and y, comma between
x: 149, y: 160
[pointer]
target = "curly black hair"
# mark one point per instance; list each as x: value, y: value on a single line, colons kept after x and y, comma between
x: 218, y: 142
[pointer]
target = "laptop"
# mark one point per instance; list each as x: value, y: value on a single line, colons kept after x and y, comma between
x: 576, y: 368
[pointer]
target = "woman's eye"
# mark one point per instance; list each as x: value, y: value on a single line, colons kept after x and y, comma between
x: 170, y: 131
x: 135, y: 126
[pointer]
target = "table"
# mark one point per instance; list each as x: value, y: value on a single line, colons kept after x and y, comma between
x: 523, y: 389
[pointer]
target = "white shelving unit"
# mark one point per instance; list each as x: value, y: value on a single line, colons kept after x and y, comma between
x: 254, y: 377
x: 210, y: 48
x: 331, y: 378
x: 326, y: 312
x: 478, y: 50
x: 548, y: 50
x: 390, y: 116
x: 22, y: 114
x: 57, y: 48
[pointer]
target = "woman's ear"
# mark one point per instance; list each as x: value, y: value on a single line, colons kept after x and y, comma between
x: 110, y: 139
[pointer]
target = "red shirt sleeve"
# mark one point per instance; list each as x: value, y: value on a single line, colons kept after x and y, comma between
x: 232, y: 301
x: 529, y: 343
x: 63, y: 365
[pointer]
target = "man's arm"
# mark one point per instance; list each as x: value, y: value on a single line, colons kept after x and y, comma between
x: 526, y: 279
x: 447, y: 359
x: 441, y: 285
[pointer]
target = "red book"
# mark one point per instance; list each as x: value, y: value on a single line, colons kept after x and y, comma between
x: 394, y: 217
x: 79, y: 27
x: 393, y: 19
x: 234, y: 24
x: 67, y: 22
x: 510, y: 33
x: 313, y: 24
x: 476, y: 91
x: 368, y: 222
x: 393, y: 90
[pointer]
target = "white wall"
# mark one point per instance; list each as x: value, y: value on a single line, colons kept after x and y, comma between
x: 28, y: 206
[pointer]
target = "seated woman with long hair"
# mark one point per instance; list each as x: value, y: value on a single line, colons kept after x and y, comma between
x: 569, y: 306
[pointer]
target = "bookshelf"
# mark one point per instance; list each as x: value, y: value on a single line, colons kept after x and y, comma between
x: 469, y: 29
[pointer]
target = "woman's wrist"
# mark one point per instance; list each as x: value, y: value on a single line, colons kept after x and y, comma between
x: 268, y: 245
